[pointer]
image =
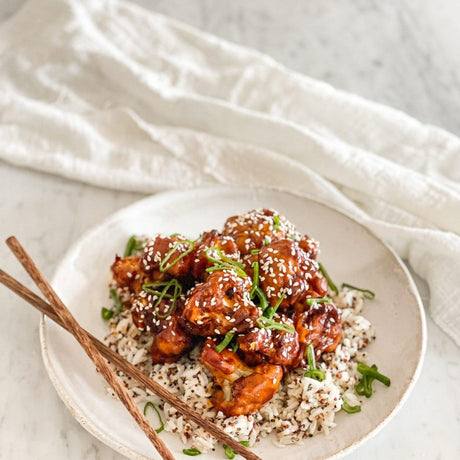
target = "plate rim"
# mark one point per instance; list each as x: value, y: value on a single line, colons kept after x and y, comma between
x: 79, y: 415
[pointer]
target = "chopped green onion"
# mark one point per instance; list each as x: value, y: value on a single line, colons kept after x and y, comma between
x: 224, y: 263
x: 364, y: 386
x: 368, y: 294
x: 244, y: 443
x: 133, y: 246
x: 168, y: 255
x: 328, y: 279
x: 270, y: 311
x: 106, y: 313
x: 373, y: 373
x: 350, y: 409
x: 263, y: 302
x: 267, y: 323
x: 235, y: 345
x: 162, y: 425
x: 191, y: 452
x: 255, y: 278
x: 276, y: 220
x: 116, y: 300
x: 319, y: 300
x: 266, y: 241
x: 227, y: 339
x: 229, y: 452
x: 313, y: 372
x: 173, y: 235
x: 163, y: 294
x: 255, y: 251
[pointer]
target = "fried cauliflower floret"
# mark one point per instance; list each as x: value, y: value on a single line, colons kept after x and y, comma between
x: 270, y: 345
x: 285, y: 269
x: 169, y: 254
x: 320, y: 325
x: 220, y: 305
x: 241, y: 389
x: 257, y: 227
x: 208, y: 240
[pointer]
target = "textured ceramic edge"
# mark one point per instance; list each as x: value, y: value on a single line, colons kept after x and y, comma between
x: 87, y: 424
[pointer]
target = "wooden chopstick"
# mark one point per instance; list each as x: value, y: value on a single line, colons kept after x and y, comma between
x: 131, y: 370
x: 87, y: 344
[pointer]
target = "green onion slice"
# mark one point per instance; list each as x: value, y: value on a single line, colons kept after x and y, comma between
x: 162, y: 425
x: 266, y: 242
x: 165, y: 260
x: 350, y: 409
x: 106, y: 313
x: 368, y: 294
x: 224, y: 263
x: 133, y: 245
x: 263, y: 302
x: 116, y: 300
x: 163, y: 294
x: 319, y: 300
x: 270, y: 311
x: 229, y: 452
x: 227, y: 339
x: 255, y: 251
x: 191, y: 452
x: 255, y: 278
x: 373, y: 373
x: 267, y: 323
x: 276, y: 220
x: 313, y: 372
x: 244, y: 443
x: 328, y: 278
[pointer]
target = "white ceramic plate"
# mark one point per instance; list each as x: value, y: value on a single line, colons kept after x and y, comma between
x: 348, y: 250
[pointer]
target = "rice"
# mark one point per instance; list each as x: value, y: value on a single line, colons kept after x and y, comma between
x: 302, y: 407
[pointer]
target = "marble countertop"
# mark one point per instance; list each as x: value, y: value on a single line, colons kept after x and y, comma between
x: 398, y: 52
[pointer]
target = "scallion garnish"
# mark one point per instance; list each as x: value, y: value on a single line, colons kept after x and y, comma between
x: 368, y: 294
x: 263, y: 302
x: 270, y: 311
x: 276, y: 220
x: 244, y: 443
x: 234, y: 345
x: 229, y: 452
x: 350, y: 409
x: 319, y: 300
x: 313, y: 372
x: 255, y: 251
x: 266, y: 242
x: 255, y: 278
x: 168, y: 255
x: 163, y: 294
x: 224, y: 263
x: 328, y: 278
x: 372, y: 372
x: 191, y: 452
x: 133, y: 246
x: 267, y: 323
x: 106, y: 313
x: 162, y: 425
x: 116, y: 300
x: 227, y: 339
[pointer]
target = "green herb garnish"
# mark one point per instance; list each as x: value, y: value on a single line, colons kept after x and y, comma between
x: 276, y: 220
x: 116, y: 300
x: 372, y: 372
x: 328, y: 279
x: 106, y: 313
x: 319, y: 300
x: 255, y: 278
x: 255, y: 251
x: 227, y: 339
x: 350, y: 409
x: 191, y: 452
x: 224, y: 263
x: 162, y: 425
x: 163, y: 267
x: 133, y: 245
x: 230, y: 453
x: 368, y: 294
x: 163, y: 294
x: 270, y: 311
x: 267, y: 323
x: 313, y: 372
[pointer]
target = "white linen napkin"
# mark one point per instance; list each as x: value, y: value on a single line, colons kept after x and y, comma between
x: 113, y: 95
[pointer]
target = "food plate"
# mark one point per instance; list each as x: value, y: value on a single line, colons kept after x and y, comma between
x: 350, y: 252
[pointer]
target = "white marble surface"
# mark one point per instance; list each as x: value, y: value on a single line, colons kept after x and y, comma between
x: 400, y: 52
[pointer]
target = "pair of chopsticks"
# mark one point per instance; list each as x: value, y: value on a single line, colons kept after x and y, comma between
x: 97, y: 351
